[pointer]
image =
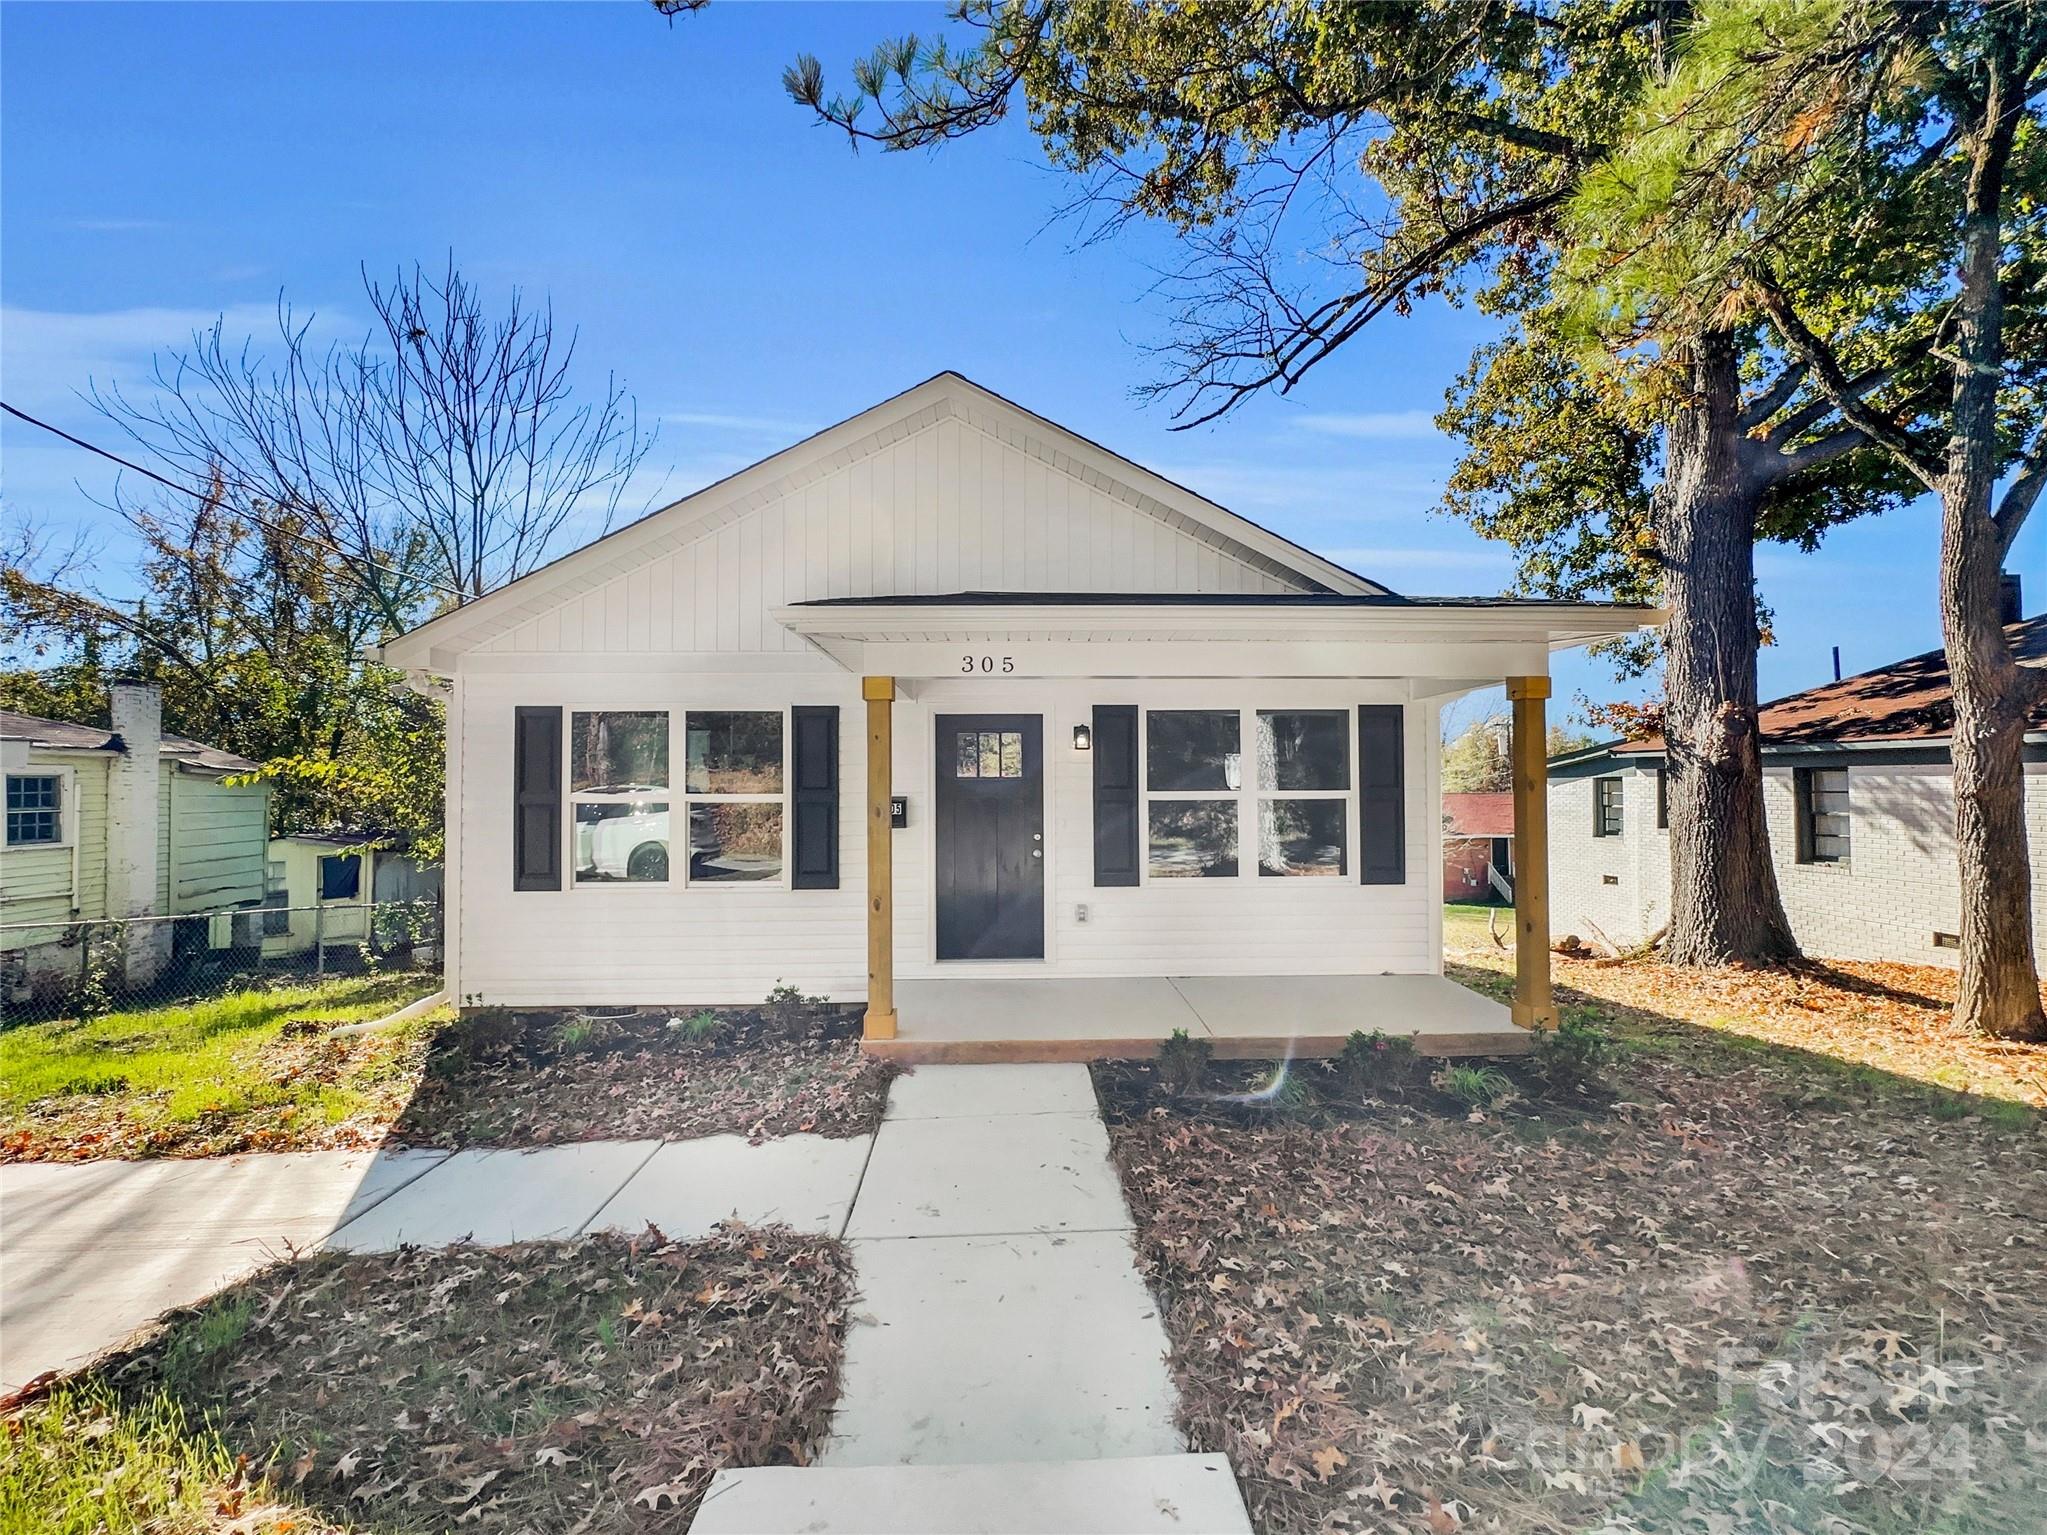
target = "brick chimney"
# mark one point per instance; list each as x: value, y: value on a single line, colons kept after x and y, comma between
x: 132, y: 809
x: 2011, y: 601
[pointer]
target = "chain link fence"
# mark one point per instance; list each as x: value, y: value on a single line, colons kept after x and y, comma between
x: 88, y: 968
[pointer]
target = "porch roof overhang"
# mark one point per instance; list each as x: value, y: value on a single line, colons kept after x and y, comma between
x: 1449, y: 643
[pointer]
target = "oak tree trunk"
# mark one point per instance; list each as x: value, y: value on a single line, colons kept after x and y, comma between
x: 1993, y: 695
x: 1724, y: 905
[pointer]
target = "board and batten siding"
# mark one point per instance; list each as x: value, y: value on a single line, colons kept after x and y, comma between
x: 676, y: 944
x: 948, y: 508
x: 37, y: 884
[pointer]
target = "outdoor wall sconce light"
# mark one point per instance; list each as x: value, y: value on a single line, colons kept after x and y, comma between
x: 1083, y: 738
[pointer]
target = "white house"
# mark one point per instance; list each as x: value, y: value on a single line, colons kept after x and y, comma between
x: 122, y: 822
x: 948, y: 710
x: 1859, y: 793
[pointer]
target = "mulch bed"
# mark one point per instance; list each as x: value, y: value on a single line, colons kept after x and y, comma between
x: 539, y: 1080
x: 1741, y: 1291
x: 587, y: 1385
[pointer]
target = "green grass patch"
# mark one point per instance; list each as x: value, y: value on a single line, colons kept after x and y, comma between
x: 220, y: 1074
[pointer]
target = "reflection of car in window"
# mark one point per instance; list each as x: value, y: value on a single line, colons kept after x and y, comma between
x: 622, y: 841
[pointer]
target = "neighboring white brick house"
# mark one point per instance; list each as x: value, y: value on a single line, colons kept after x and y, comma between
x: 1893, y: 893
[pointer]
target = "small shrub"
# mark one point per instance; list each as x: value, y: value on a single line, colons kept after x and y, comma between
x: 1376, y: 1063
x: 699, y: 1028
x: 1476, y: 1087
x: 1183, y: 1062
x: 1572, y: 1053
x: 789, y: 1011
x: 1283, y: 1096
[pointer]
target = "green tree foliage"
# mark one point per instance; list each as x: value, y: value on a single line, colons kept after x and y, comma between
x: 253, y: 632
x: 1864, y: 182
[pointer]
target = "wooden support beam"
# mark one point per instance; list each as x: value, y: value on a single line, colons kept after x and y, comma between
x: 1533, y: 1007
x: 880, y: 1023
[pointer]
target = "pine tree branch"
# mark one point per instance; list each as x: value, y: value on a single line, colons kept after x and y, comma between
x: 1835, y: 384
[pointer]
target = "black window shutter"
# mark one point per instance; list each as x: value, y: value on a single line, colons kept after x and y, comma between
x: 1115, y: 767
x: 814, y: 798
x: 536, y: 799
x: 1382, y: 795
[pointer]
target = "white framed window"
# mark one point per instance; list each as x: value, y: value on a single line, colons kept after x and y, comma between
x: 1193, y: 790
x: 1606, y: 807
x: 1304, y: 792
x: 39, y: 809
x: 618, y: 796
x: 1823, y: 831
x: 735, y: 787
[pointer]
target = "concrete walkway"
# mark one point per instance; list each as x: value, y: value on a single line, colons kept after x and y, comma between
x: 1005, y: 1368
x: 89, y: 1252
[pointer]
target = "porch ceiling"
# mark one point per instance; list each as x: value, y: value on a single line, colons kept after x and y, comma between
x: 964, y: 1018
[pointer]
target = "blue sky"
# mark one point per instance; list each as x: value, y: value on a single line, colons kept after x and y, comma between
x: 746, y: 275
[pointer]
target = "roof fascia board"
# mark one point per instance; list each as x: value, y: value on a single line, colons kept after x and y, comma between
x: 1560, y: 627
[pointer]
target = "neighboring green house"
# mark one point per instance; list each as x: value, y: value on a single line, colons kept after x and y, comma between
x: 127, y: 822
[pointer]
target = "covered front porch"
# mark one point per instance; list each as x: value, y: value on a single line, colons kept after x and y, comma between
x: 1135, y: 767
x: 968, y: 1020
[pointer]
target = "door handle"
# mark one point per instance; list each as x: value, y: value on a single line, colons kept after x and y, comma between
x: 1037, y: 852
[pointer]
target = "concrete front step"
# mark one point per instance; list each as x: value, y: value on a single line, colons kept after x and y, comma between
x: 1180, y: 1494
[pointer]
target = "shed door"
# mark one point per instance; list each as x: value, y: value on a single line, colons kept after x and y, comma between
x: 991, y: 836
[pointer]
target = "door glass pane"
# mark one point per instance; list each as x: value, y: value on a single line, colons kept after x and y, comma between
x: 1300, y: 837
x: 968, y: 759
x: 1012, y: 754
x: 1303, y: 749
x: 991, y: 754
x: 1193, y: 839
x: 624, y: 842
x: 1192, y: 749
x: 734, y: 842
x: 734, y: 752
x: 614, y: 750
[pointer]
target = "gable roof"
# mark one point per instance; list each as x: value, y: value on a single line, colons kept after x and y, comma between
x: 1908, y: 702
x: 1482, y: 814
x: 947, y: 394
x: 63, y: 735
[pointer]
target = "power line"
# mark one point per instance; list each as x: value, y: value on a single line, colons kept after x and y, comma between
x: 186, y: 490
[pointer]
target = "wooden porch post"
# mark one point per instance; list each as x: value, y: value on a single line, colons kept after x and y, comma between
x: 1533, y: 1007
x: 880, y: 1023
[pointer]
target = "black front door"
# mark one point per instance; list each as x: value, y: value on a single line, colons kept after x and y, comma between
x: 991, y: 836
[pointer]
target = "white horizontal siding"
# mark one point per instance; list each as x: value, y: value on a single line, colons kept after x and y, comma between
x: 677, y: 944
x: 216, y: 842
x: 948, y: 508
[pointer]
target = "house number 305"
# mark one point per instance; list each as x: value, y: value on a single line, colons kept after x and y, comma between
x: 987, y: 664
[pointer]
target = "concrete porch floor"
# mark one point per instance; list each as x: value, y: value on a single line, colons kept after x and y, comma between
x: 965, y: 1020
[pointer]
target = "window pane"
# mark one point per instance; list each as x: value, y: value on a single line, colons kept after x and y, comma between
x: 968, y: 762
x: 1193, y: 749
x: 1192, y: 839
x: 734, y: 842
x: 341, y: 877
x: 1303, y: 749
x: 622, y: 842
x: 1012, y: 754
x: 36, y: 792
x: 615, y: 750
x: 32, y: 826
x: 1300, y: 836
x: 991, y: 754
x: 735, y: 753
